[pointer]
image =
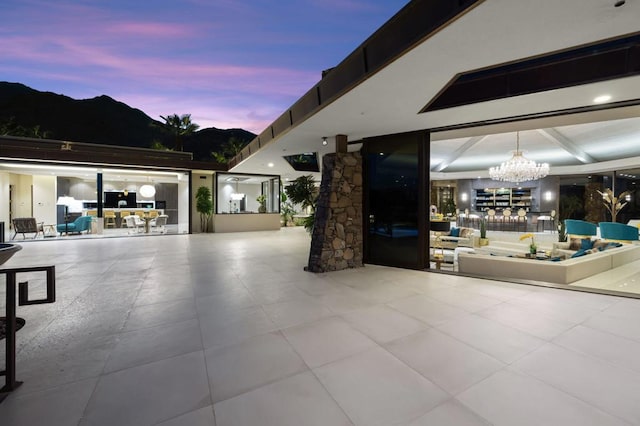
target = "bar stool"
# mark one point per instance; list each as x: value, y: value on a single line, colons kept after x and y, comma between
x: 491, y: 218
x: 553, y: 221
x: 521, y: 220
x: 109, y: 219
x: 506, y: 219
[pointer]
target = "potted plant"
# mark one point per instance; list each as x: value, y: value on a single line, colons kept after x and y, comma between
x: 484, y: 241
x: 533, y: 248
x: 562, y: 232
x: 262, y: 199
x: 204, y: 206
x: 303, y: 191
x: 286, y: 209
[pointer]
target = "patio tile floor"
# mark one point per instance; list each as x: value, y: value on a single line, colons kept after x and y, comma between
x: 227, y: 329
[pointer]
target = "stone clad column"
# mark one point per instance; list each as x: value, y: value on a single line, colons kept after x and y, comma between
x: 336, y: 241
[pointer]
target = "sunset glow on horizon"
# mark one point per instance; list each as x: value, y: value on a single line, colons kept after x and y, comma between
x: 229, y: 64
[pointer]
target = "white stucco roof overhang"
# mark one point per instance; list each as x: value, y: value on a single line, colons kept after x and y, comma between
x: 493, y: 32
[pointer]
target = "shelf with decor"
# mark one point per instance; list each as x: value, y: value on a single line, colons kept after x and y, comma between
x: 503, y: 198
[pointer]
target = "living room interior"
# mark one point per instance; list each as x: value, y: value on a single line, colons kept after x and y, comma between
x: 585, y: 160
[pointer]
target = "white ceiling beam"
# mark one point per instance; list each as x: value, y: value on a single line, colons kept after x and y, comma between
x: 567, y: 144
x: 457, y: 153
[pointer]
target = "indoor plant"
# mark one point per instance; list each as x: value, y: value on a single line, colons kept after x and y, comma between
x: 533, y: 249
x: 483, y: 232
x: 204, y: 206
x: 562, y: 232
x: 286, y: 209
x: 262, y: 199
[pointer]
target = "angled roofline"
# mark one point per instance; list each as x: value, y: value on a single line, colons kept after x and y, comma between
x: 414, y: 23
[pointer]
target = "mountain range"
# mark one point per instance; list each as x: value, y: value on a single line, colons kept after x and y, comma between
x: 100, y: 120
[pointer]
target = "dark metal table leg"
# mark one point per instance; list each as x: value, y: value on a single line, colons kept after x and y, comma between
x: 10, y: 361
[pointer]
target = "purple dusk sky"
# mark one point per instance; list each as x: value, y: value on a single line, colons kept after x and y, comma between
x: 229, y: 63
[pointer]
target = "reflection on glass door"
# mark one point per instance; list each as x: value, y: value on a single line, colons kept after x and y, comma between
x: 396, y: 200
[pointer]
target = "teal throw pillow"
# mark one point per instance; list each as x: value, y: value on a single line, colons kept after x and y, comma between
x: 586, y: 244
x: 579, y: 253
x: 455, y: 232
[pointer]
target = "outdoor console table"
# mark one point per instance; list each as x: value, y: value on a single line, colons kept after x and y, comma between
x: 10, y: 317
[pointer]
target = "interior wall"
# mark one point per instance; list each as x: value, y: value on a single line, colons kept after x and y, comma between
x: 21, y: 195
x: 549, y: 193
x: 465, y: 195
x: 44, y: 199
x: 81, y: 189
x: 183, y: 205
x: 4, y: 201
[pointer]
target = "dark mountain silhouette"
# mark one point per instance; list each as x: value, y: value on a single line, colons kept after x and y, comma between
x: 100, y: 120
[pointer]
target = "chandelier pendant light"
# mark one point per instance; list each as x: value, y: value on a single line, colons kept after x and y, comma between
x: 519, y: 168
x: 147, y: 191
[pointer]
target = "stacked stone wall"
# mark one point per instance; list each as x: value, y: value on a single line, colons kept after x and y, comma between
x: 336, y: 241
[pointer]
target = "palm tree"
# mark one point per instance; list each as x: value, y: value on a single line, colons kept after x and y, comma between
x: 230, y: 149
x: 179, y: 126
x: 10, y: 127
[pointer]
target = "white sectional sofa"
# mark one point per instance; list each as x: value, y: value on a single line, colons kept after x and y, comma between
x: 561, y: 272
x: 447, y: 241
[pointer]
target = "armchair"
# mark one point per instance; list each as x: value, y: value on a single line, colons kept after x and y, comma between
x: 27, y: 225
x: 618, y: 231
x: 580, y: 228
x: 159, y: 223
x: 134, y: 223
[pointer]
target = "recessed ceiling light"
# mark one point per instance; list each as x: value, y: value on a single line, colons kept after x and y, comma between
x: 270, y: 164
x: 601, y: 99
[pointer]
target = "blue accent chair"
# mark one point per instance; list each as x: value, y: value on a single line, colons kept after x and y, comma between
x: 83, y: 223
x: 580, y: 227
x: 618, y: 231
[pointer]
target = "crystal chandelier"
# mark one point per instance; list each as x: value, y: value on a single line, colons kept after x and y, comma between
x: 518, y: 168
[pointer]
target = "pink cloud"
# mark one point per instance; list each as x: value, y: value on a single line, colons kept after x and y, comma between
x: 345, y: 5
x: 207, y: 112
x: 150, y: 29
